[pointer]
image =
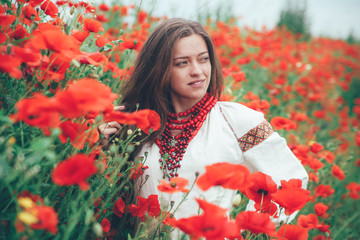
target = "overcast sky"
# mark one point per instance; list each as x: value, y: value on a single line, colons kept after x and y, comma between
x: 333, y: 18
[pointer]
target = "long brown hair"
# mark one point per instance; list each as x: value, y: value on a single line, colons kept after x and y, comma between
x: 150, y: 85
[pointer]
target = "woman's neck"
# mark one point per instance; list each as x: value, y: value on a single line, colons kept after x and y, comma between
x: 181, y: 105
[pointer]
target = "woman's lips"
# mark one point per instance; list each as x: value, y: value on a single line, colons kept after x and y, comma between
x: 197, y: 83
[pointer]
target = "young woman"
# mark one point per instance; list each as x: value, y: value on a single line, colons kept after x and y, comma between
x: 178, y: 75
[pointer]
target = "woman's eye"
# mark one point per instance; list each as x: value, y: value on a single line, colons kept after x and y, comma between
x: 204, y: 59
x: 180, y: 63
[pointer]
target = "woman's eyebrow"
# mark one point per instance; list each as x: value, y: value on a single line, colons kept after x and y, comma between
x: 185, y: 57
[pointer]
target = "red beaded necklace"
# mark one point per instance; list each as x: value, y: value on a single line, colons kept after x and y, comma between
x: 172, y: 148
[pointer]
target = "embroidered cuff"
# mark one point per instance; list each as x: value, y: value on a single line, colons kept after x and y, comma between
x: 255, y: 136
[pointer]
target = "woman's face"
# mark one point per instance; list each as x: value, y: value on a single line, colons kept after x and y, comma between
x: 190, y: 72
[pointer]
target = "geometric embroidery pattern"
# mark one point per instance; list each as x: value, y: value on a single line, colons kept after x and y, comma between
x: 255, y: 136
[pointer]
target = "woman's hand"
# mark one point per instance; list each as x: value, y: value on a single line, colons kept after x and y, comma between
x: 107, y: 129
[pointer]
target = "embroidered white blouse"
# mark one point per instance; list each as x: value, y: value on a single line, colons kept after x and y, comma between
x: 231, y: 133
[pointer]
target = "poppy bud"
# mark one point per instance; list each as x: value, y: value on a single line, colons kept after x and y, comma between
x: 75, y: 63
x: 236, y: 200
x: 97, y: 229
x: 93, y: 75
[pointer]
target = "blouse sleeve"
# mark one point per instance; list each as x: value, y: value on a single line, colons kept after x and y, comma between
x: 263, y: 150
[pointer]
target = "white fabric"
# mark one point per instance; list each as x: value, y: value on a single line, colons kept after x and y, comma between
x: 215, y: 142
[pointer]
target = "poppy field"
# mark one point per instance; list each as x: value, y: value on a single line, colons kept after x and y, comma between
x: 62, y: 64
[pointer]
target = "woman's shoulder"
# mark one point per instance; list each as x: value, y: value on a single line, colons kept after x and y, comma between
x: 241, y: 118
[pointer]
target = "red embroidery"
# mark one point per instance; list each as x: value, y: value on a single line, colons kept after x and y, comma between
x: 255, y: 136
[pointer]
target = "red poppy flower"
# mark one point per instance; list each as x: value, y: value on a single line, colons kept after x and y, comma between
x: 212, y: 224
x: 52, y: 38
x: 262, y: 188
x: 104, y: 7
x: 62, y: 2
x: 309, y: 221
x: 292, y: 232
x: 30, y: 13
x: 10, y: 64
x: 239, y: 76
x: 39, y: 111
x: 94, y: 58
x: 258, y: 105
x: 291, y: 184
x: 124, y: 10
x: 256, y: 223
x: 35, y: 3
x: 327, y: 155
x: 49, y: 8
x: 231, y: 176
x: 47, y: 218
x: 6, y: 20
x: 105, y: 224
x: 35, y: 198
x: 316, y: 147
x: 176, y: 184
x: 84, y: 96
x: 145, y: 206
x: 313, y: 177
x: 101, y: 41
x: 144, y: 119
x: 354, y: 190
x: 292, y: 199
x: 74, y: 170
x: 27, y: 55
x: 137, y: 170
x: 270, y: 208
x: 320, y: 209
x: 315, y: 164
x: 283, y: 123
x: 19, y: 32
x: 54, y: 68
x: 323, y: 191
x: 119, y: 207
x: 79, y: 134
x: 3, y: 37
x: 142, y: 15
x: 337, y: 172
x: 80, y: 35
x: 93, y: 25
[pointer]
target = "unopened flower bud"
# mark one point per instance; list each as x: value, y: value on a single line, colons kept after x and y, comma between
x: 129, y: 132
x: 147, y: 176
x: 93, y: 75
x: 97, y: 229
x: 75, y: 63
x: 172, y: 203
x: 236, y: 200
x: 197, y: 174
x: 137, y: 144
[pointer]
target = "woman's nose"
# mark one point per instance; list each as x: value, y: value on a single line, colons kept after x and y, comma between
x: 195, y: 69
